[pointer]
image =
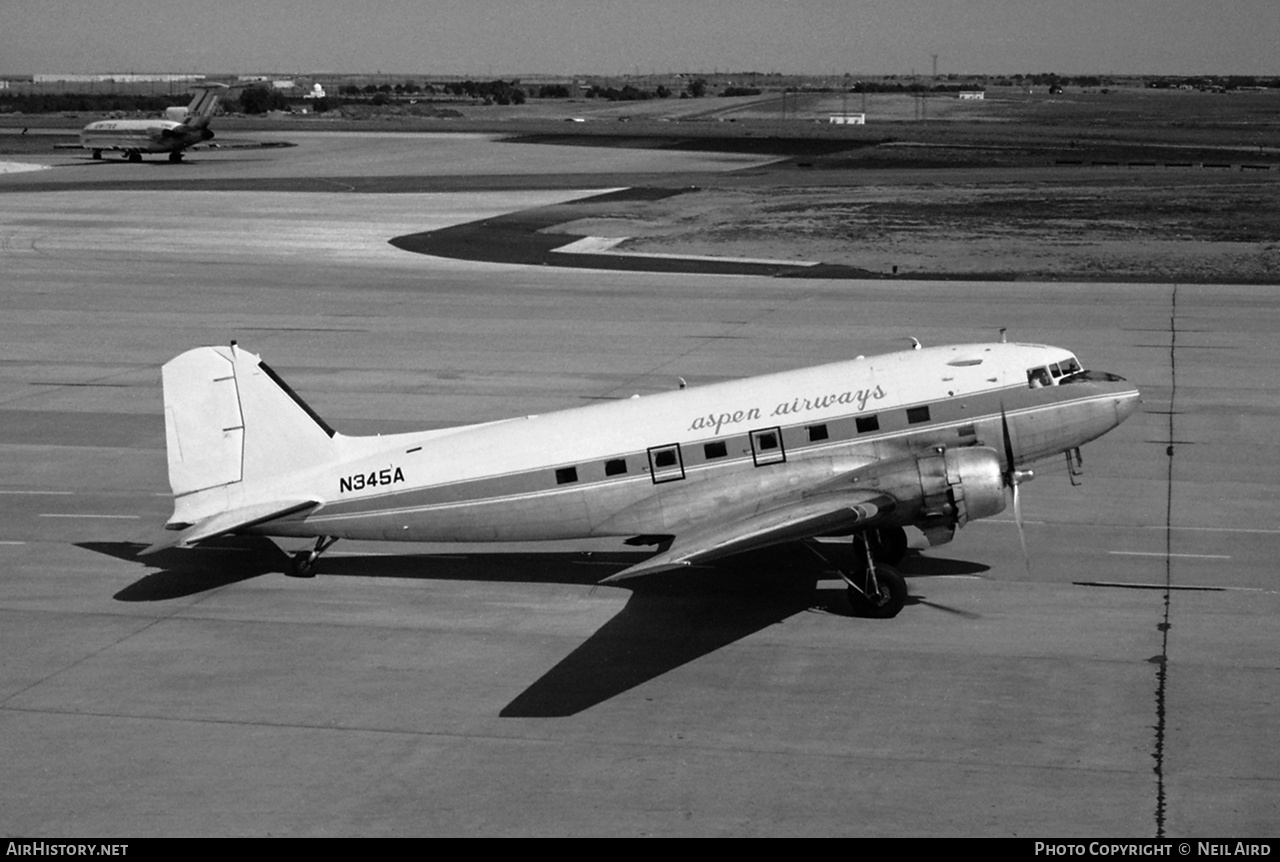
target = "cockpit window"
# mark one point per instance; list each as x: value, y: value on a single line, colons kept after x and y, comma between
x: 1053, y: 373
x: 1092, y: 377
x: 1037, y: 377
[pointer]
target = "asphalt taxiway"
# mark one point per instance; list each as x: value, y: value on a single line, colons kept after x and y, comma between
x: 1124, y: 684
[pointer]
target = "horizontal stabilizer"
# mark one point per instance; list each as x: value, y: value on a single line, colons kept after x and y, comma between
x: 230, y: 521
x: 801, y: 520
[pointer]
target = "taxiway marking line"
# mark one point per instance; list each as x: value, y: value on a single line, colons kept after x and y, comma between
x: 1164, y: 554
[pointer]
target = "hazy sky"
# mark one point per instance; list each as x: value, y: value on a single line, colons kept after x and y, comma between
x: 506, y: 37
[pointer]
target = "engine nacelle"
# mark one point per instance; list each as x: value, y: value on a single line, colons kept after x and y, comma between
x: 941, y: 491
x: 972, y: 484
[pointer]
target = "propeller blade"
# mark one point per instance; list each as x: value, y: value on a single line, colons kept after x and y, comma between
x: 1017, y: 519
x: 1008, y: 445
x: 1013, y: 478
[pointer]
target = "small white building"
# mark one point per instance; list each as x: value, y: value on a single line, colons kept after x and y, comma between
x: 972, y: 95
x: 847, y: 119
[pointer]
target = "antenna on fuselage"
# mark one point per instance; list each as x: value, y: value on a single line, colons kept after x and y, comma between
x: 684, y: 384
x: 1003, y: 330
x: 915, y: 342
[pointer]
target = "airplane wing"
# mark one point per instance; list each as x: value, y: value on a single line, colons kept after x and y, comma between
x: 230, y: 521
x: 802, y: 519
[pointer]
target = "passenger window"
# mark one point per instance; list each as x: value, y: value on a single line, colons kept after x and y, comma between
x: 565, y: 475
x: 817, y: 432
x: 917, y: 414
x: 718, y: 449
x: 766, y: 446
x: 665, y: 463
x: 868, y: 423
x: 615, y: 467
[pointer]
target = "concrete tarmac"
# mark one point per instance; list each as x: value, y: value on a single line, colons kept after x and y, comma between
x: 1124, y: 684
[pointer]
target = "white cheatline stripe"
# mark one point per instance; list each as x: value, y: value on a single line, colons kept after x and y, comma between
x: 87, y: 515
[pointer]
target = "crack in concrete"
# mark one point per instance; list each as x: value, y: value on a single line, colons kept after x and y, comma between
x: 1162, y: 660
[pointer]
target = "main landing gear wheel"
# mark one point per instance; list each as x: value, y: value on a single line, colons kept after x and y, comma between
x: 175, y: 156
x: 890, y: 594
x: 877, y: 591
x: 133, y: 157
x: 304, y: 562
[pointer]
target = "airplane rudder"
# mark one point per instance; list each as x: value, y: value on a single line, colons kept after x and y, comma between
x: 204, y: 428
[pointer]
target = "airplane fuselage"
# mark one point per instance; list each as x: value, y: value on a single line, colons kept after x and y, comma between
x: 179, y: 129
x: 141, y: 136
x: 663, y: 463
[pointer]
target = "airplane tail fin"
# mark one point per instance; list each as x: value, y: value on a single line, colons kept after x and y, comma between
x: 205, y: 102
x: 230, y: 419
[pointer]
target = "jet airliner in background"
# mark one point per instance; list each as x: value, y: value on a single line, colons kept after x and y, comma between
x: 931, y: 438
x: 179, y: 129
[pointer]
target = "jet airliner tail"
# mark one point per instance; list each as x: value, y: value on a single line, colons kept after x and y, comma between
x: 198, y: 113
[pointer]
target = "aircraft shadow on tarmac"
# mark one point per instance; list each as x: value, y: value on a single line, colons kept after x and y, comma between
x: 669, y: 620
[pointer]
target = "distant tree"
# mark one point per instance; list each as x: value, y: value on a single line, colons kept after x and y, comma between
x: 697, y: 88
x: 662, y: 92
x: 259, y: 100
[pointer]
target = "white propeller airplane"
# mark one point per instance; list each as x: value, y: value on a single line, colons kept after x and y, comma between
x: 181, y: 128
x: 929, y: 437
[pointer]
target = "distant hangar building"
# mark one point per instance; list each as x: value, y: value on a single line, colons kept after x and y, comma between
x: 848, y: 119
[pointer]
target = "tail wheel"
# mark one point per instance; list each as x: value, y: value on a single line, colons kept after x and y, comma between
x: 885, y: 601
x: 304, y: 564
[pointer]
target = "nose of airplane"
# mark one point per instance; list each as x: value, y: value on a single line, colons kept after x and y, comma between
x: 1127, y: 404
